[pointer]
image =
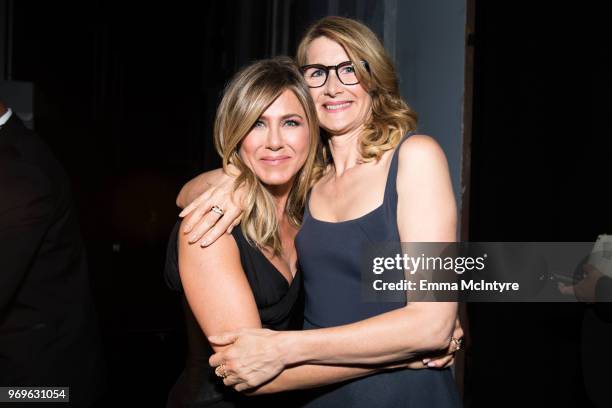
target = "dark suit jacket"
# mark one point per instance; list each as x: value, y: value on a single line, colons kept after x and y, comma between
x: 48, y: 333
x: 603, y: 296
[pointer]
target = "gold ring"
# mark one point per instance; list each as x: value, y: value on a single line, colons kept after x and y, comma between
x: 217, y: 209
x: 220, y: 371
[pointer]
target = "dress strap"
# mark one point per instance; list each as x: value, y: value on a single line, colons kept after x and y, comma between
x: 307, y: 204
x: 390, y: 187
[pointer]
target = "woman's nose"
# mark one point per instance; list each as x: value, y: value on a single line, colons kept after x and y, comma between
x: 333, y: 85
x: 274, y: 141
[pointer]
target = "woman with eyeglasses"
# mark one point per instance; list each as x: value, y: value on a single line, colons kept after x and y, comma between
x: 377, y: 185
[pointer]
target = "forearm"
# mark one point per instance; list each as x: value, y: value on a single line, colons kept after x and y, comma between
x: 389, y: 337
x: 196, y: 186
x: 311, y: 376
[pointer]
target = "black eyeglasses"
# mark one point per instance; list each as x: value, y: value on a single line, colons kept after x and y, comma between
x: 316, y: 74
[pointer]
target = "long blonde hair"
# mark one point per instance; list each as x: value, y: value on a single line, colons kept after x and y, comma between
x: 391, y: 117
x: 246, y: 97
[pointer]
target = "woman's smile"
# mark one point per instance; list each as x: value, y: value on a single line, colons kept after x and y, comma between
x: 275, y: 160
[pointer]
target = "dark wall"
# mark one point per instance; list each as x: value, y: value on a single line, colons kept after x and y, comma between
x: 540, y: 172
x: 541, y: 140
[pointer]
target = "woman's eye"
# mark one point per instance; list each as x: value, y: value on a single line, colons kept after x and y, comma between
x: 292, y: 123
x: 317, y: 73
x: 258, y: 123
x: 349, y: 69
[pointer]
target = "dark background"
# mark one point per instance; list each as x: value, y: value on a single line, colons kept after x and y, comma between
x: 125, y: 95
x: 540, y: 172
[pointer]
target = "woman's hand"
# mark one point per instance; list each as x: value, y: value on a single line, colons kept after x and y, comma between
x: 431, y: 361
x: 205, y: 225
x: 252, y: 358
x: 434, y: 361
x: 447, y: 357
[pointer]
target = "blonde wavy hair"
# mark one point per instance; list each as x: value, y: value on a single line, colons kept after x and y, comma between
x: 246, y: 97
x: 391, y: 117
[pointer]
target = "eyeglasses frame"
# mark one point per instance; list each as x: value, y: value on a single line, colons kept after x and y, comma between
x: 328, y: 68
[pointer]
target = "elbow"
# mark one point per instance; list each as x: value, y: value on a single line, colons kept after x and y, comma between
x: 441, y: 339
x: 435, y: 339
x: 438, y: 330
x: 444, y: 331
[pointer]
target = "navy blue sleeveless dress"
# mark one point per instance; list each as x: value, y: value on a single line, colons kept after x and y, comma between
x: 329, y: 256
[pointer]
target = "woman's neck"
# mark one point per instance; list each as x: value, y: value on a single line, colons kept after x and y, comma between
x: 345, y: 150
x: 280, y: 195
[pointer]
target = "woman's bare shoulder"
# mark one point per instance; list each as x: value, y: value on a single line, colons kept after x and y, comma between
x: 421, y: 160
x: 224, y: 249
x: 420, y: 146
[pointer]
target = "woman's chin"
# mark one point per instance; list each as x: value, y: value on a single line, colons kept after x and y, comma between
x: 276, y: 180
x: 337, y: 128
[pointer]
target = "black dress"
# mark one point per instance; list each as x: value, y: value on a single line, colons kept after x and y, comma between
x: 280, y: 306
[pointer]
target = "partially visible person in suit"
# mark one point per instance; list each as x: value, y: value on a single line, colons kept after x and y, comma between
x: 48, y: 329
x: 594, y: 288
